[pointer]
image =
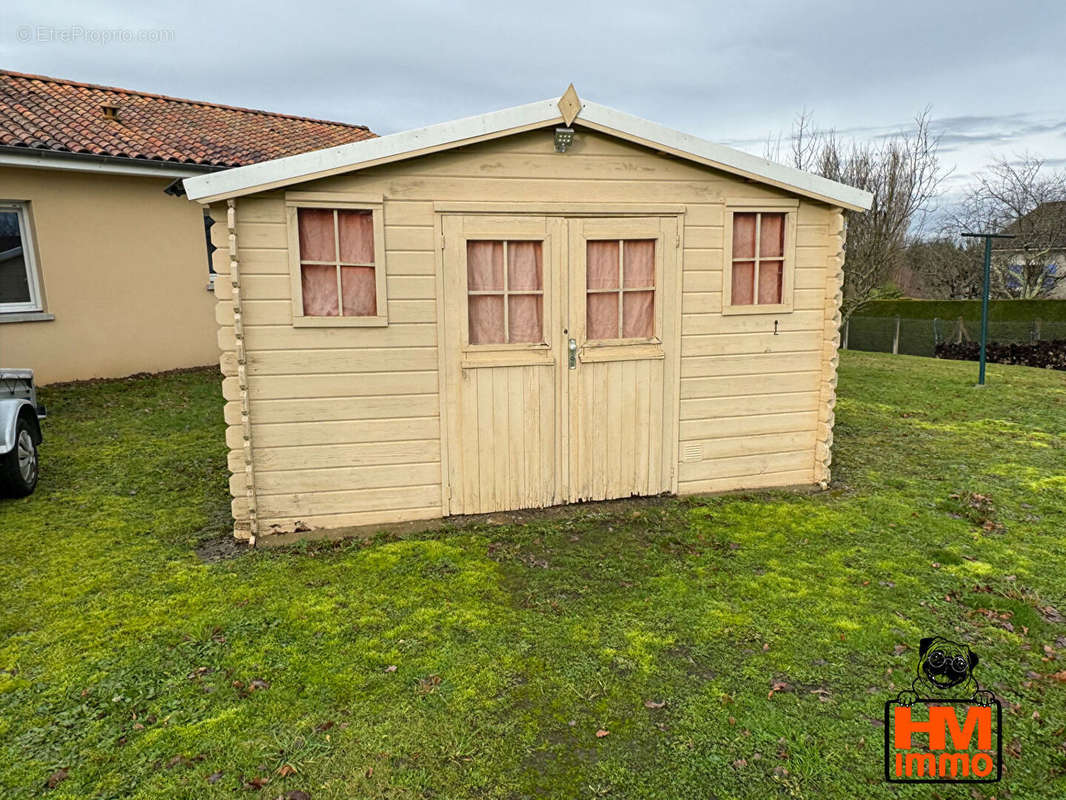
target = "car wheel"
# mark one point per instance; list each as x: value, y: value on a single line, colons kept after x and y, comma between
x: 19, y: 468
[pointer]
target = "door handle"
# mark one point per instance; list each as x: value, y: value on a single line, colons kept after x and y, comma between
x: 572, y: 347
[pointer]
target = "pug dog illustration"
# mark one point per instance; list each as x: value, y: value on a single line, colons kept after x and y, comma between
x: 945, y: 671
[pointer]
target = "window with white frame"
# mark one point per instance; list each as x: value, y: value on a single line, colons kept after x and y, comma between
x: 759, y: 263
x: 337, y: 263
x: 19, y: 283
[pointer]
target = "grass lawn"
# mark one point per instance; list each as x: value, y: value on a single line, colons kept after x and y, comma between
x: 481, y: 661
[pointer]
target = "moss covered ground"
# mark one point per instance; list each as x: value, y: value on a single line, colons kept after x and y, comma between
x: 726, y: 647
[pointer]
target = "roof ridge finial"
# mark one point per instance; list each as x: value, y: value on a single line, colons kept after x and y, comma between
x: 570, y: 105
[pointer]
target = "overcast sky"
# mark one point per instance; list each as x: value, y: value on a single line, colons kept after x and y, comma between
x: 734, y: 72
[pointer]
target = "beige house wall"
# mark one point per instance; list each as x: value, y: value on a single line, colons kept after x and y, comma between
x: 344, y: 424
x: 123, y: 269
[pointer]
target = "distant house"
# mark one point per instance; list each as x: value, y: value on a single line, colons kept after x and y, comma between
x: 102, y: 272
x: 1034, y: 263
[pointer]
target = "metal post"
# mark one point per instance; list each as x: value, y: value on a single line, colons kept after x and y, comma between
x: 847, y: 330
x: 895, y: 338
x: 984, y: 309
x: 988, y: 237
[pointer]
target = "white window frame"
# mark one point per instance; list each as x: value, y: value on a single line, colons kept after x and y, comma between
x: 790, y: 209
x: 29, y: 257
x: 297, y: 200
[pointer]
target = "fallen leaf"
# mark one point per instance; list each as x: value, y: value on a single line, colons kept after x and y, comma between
x: 899, y: 649
x: 740, y: 762
x: 57, y: 778
x: 601, y: 733
x: 296, y: 794
x: 285, y: 770
x: 257, y: 783
x: 654, y: 704
x: 214, y: 777
x: 325, y: 726
x: 390, y: 668
x: 1059, y: 676
x: 258, y: 683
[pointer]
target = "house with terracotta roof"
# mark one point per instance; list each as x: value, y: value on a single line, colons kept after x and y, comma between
x: 103, y: 265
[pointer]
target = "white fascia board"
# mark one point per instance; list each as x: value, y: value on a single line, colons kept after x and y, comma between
x: 727, y: 158
x: 41, y: 160
x: 368, y: 152
x: 408, y: 144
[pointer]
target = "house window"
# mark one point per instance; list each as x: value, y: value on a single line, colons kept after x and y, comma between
x: 620, y: 289
x: 505, y: 292
x: 759, y: 278
x: 19, y: 286
x: 337, y: 263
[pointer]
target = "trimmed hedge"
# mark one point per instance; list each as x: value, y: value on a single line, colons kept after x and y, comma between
x: 1047, y: 355
x: 999, y: 310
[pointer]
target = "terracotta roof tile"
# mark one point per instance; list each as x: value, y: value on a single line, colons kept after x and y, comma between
x: 42, y: 113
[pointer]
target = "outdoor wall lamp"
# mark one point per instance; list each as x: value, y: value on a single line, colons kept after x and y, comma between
x: 564, y: 137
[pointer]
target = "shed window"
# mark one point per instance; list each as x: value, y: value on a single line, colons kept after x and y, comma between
x: 505, y: 292
x: 620, y: 289
x: 338, y: 273
x: 19, y: 287
x: 758, y: 274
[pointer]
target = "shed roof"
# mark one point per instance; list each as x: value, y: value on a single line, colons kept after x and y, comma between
x: 51, y: 115
x: 421, y: 141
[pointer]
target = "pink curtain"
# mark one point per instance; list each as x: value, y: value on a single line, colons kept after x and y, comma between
x: 744, y: 235
x: 601, y: 316
x: 484, y: 266
x: 316, y: 234
x: 486, y: 319
x: 524, y: 266
x: 770, y: 281
x: 743, y: 283
x: 772, y: 236
x: 601, y: 270
x: 319, y: 282
x: 356, y: 234
x: 639, y: 262
x: 638, y: 319
x: 523, y: 318
x: 359, y: 291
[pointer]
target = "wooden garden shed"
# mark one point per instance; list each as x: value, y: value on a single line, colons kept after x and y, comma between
x: 553, y: 303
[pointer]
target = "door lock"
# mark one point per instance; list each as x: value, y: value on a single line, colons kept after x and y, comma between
x: 572, y: 347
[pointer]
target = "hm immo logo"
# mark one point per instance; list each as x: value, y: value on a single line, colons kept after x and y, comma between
x: 945, y: 728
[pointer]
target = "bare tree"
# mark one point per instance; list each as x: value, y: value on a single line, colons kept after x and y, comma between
x: 903, y: 173
x: 1023, y: 198
x: 944, y: 268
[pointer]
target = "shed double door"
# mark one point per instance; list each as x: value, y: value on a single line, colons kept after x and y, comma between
x: 560, y: 339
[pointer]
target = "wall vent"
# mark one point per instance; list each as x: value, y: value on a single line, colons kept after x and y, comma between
x: 691, y: 451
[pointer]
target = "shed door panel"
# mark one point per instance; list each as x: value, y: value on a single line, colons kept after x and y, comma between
x: 622, y: 284
x: 503, y: 348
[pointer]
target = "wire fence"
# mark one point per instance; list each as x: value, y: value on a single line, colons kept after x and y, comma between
x: 919, y: 337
